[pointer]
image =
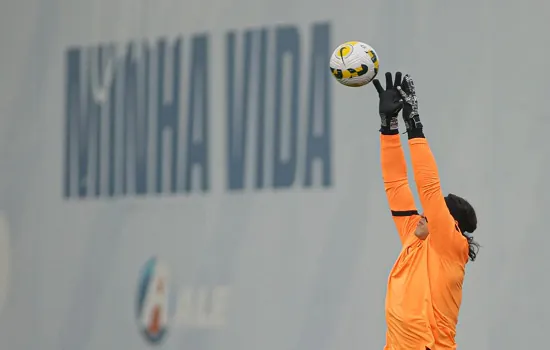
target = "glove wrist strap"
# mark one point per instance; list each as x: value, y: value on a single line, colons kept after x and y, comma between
x: 415, y: 134
x: 384, y: 130
x: 389, y: 125
x: 414, y: 127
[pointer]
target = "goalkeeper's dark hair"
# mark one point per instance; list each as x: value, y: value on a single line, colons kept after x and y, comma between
x: 465, y: 215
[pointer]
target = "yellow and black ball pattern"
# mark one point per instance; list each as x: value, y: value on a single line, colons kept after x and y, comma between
x: 354, y: 63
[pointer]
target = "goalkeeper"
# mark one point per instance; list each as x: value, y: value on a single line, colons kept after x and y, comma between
x: 424, y: 291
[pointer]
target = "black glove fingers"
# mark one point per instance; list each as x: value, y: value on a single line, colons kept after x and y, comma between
x: 389, y: 82
x: 405, y: 85
x: 410, y: 83
x: 378, y: 86
x: 397, y: 79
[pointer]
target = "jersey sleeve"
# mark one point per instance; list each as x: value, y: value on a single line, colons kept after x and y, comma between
x: 399, y: 194
x: 444, y: 233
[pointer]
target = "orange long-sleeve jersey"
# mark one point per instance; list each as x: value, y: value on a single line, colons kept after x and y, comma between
x: 424, y: 290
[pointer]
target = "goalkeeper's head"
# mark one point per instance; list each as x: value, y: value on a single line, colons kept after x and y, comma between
x: 466, y: 217
x: 464, y: 214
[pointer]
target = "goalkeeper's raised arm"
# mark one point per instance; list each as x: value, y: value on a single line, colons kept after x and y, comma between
x: 392, y: 159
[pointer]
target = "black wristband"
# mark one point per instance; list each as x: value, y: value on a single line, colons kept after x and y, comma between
x: 385, y: 130
x: 415, y: 133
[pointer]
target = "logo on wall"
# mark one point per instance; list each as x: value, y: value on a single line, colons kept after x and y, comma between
x: 163, y: 305
x: 153, y: 300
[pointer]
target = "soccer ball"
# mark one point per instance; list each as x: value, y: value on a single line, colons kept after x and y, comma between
x: 354, y: 64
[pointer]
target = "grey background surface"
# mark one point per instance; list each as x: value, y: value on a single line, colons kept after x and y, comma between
x: 292, y: 267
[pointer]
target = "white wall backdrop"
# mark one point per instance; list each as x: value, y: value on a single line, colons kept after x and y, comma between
x: 187, y: 175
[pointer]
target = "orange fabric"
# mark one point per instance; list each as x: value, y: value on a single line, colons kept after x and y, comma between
x: 424, y: 290
x: 396, y: 184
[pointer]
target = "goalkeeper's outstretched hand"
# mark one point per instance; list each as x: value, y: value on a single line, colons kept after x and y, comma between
x: 410, y: 107
x: 390, y: 103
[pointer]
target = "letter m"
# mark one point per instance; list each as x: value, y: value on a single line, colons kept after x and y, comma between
x: 82, y: 123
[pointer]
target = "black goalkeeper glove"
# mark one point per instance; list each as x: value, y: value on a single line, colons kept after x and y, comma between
x: 390, y: 104
x: 410, y: 108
